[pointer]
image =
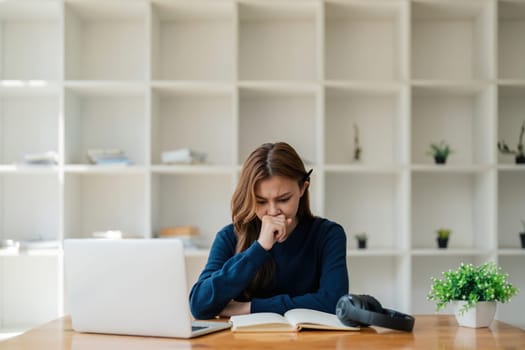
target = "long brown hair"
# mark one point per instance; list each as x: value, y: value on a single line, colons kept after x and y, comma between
x: 268, y: 160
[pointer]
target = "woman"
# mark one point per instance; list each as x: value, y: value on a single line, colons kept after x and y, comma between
x: 276, y: 255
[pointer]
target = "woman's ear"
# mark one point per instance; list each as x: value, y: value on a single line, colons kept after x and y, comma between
x: 305, y: 186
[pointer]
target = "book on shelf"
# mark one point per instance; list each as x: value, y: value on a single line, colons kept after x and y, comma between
x: 34, y: 244
x: 186, y: 234
x: 110, y: 156
x: 178, y: 231
x: 292, y: 321
x: 183, y: 156
x: 44, y: 158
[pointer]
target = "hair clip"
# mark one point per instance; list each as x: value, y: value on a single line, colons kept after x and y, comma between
x: 307, y: 176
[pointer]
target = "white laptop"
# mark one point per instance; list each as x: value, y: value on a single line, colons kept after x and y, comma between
x: 132, y: 287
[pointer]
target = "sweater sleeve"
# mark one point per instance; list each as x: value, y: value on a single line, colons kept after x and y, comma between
x: 332, y: 285
x: 225, y: 275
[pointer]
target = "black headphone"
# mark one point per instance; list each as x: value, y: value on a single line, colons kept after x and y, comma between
x: 364, y: 310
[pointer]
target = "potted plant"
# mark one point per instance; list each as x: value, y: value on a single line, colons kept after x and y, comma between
x: 474, y: 290
x: 522, y: 234
x: 443, y: 235
x: 361, y: 240
x: 519, y: 152
x: 440, y: 151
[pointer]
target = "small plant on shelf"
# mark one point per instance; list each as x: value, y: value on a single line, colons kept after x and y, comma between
x: 519, y: 152
x: 443, y: 234
x: 440, y: 151
x: 470, y: 285
x: 362, y: 238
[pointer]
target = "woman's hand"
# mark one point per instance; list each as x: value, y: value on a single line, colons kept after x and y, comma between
x: 236, y: 308
x: 273, y: 229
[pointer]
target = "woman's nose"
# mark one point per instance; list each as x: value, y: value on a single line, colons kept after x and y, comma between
x: 273, y: 209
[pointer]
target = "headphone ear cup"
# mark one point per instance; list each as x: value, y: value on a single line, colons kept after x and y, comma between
x: 344, y: 308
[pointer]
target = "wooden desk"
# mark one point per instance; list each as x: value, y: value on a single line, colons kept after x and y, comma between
x: 430, y: 332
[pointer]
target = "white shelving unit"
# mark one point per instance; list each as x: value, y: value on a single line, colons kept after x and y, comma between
x: 222, y: 77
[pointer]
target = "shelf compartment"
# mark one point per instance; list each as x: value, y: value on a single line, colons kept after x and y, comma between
x: 271, y: 115
x: 30, y: 290
x: 30, y: 40
x: 357, y: 201
x: 511, y: 208
x: 387, y: 278
x: 193, y: 41
x: 30, y: 206
x: 511, y: 116
x: 278, y: 41
x: 425, y: 267
x: 511, y: 312
x: 200, y: 120
x: 462, y: 202
x: 102, y: 202
x: 377, y: 115
x: 364, y: 40
x: 461, y: 115
x: 511, y: 46
x: 102, y: 117
x: 452, y: 40
x: 105, y: 41
x: 201, y: 200
x: 36, y: 116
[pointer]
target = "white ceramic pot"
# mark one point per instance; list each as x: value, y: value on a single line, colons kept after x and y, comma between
x: 481, y: 315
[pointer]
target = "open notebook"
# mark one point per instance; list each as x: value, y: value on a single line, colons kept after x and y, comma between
x: 130, y: 286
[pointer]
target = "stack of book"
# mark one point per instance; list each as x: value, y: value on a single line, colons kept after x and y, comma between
x: 45, y: 158
x: 185, y: 233
x: 183, y: 156
x: 39, y: 243
x: 111, y: 156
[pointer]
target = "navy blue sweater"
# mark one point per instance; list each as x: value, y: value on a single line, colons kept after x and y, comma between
x: 310, y: 271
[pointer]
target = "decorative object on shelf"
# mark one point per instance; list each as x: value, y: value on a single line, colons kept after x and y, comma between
x: 109, y: 156
x: 440, y: 151
x: 183, y: 156
x: 361, y: 238
x: 520, y: 150
x: 443, y: 235
x: 473, y: 289
x: 522, y: 234
x: 357, y: 147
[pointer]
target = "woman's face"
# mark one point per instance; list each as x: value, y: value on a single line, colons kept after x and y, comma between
x: 278, y: 195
